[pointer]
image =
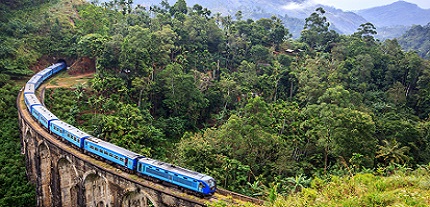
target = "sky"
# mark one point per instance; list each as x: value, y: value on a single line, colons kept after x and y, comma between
x: 351, y: 5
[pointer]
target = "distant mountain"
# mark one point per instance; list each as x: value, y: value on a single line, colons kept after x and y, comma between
x: 391, y: 20
x: 253, y: 9
x: 342, y: 22
x: 397, y: 13
x: 417, y: 39
x: 293, y: 17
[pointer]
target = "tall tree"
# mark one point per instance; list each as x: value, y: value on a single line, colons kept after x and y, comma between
x: 316, y: 32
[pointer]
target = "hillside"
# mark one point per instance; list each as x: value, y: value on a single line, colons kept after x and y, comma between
x: 417, y: 39
x: 233, y: 98
x: 25, y: 40
x: 397, y: 13
x: 391, y: 20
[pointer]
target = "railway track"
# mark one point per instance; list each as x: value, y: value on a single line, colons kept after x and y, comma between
x: 236, y: 198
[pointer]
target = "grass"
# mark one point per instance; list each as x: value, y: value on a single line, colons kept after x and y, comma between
x: 66, y: 81
x: 399, y: 189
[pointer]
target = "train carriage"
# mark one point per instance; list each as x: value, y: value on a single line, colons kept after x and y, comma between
x: 68, y: 132
x: 36, y: 80
x: 176, y: 175
x: 46, y: 73
x: 43, y: 115
x: 29, y: 88
x: 58, y: 67
x: 111, y: 152
x: 31, y: 101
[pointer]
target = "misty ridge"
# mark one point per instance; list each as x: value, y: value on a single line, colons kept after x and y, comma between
x: 391, y: 20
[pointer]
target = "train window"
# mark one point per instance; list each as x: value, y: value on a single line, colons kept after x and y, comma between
x: 91, y: 147
x: 110, y: 154
x: 105, y: 152
x: 116, y: 157
x: 150, y: 167
x: 121, y: 159
x: 97, y: 149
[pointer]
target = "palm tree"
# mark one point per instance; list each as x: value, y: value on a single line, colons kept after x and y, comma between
x: 391, y: 152
x: 298, y: 183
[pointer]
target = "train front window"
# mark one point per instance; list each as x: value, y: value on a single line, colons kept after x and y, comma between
x: 211, y: 183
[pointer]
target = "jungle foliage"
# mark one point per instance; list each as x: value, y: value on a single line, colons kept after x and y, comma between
x: 417, y: 38
x: 236, y: 99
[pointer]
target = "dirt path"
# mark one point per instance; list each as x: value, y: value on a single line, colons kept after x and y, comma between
x: 69, y: 81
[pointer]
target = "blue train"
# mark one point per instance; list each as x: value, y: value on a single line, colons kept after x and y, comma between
x: 195, y: 182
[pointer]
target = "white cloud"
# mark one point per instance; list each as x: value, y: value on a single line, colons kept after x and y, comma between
x: 297, y: 6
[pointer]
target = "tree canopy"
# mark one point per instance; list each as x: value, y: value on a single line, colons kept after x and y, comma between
x: 236, y: 99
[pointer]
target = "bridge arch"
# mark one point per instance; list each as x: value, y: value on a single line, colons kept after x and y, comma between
x: 96, y: 190
x: 45, y: 170
x: 29, y: 149
x: 137, y: 198
x: 69, y: 182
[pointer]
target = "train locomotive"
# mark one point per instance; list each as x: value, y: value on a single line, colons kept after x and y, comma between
x: 191, y: 181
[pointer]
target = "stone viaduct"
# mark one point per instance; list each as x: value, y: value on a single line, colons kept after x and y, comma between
x: 64, y: 176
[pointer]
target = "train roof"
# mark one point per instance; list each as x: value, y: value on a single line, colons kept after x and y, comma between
x: 113, y: 147
x: 45, y: 113
x: 175, y: 169
x: 71, y: 129
x: 45, y: 71
x: 34, y: 79
x: 29, y: 88
x: 32, y: 99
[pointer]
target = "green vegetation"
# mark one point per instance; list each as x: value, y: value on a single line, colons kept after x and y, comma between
x: 14, y: 187
x: 417, y: 39
x: 293, y: 122
x: 403, y: 188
